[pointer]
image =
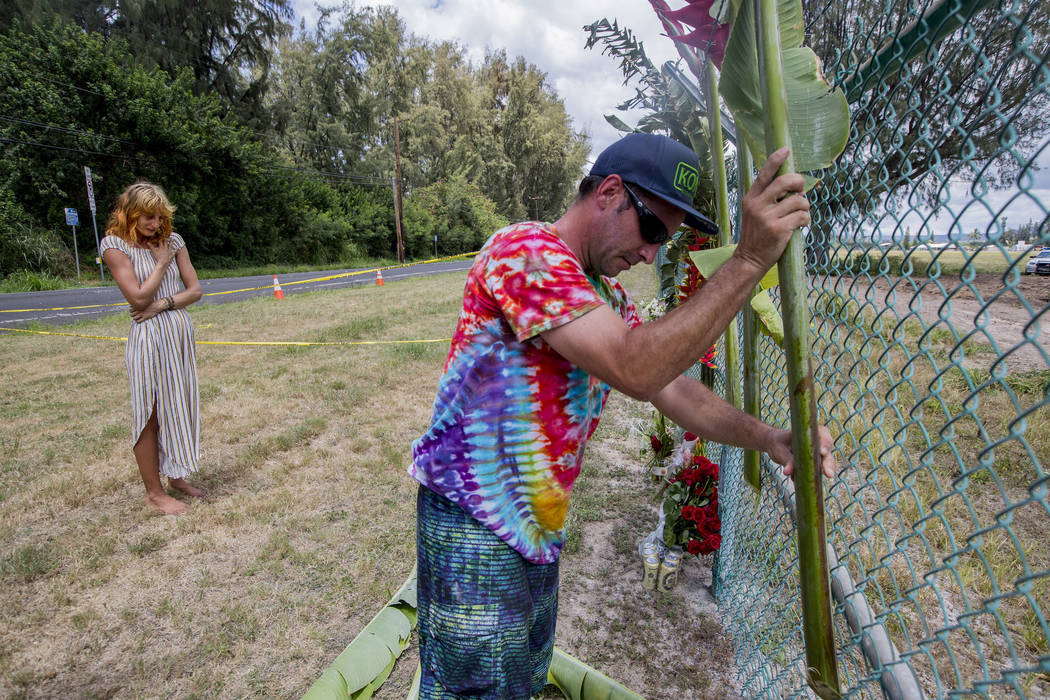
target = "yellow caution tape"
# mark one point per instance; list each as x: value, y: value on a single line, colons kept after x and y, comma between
x: 262, y: 343
x: 255, y: 289
x: 69, y: 335
x: 62, y: 308
x: 349, y: 274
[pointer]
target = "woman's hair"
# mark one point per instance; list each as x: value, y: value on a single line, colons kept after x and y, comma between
x: 138, y: 199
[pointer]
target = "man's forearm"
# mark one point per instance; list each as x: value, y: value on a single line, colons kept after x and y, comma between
x: 696, y: 408
x: 697, y: 323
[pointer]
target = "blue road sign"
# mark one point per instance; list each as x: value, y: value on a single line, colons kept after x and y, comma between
x: 71, y: 217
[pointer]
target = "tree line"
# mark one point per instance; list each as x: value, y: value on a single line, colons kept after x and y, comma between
x: 277, y: 144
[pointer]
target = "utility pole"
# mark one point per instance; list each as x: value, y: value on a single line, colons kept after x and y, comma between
x: 397, y: 194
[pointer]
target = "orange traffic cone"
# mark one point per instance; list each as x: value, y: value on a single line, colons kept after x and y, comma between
x: 379, y: 278
x: 277, y: 293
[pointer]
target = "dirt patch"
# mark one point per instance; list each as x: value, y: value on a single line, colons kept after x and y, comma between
x: 1003, y: 316
x: 665, y: 646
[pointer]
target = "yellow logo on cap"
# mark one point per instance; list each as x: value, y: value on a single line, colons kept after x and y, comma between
x: 686, y: 178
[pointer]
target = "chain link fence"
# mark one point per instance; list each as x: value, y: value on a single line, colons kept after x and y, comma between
x: 932, y: 366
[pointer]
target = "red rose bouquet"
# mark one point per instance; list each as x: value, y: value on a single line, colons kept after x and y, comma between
x: 691, y: 506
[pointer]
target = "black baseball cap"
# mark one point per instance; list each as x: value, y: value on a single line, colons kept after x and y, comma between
x: 662, y: 167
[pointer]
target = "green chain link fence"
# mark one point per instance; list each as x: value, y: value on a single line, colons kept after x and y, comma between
x: 932, y: 365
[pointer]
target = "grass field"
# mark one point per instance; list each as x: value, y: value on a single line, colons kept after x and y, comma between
x: 921, y: 261
x: 309, y: 525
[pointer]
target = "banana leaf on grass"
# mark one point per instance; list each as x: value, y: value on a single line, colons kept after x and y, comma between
x: 368, y: 660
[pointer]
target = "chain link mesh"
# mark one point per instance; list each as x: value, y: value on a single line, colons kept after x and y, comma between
x: 931, y: 365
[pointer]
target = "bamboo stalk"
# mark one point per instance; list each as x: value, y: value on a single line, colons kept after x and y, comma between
x: 812, y: 550
x: 725, y: 227
x: 752, y: 360
x: 725, y: 237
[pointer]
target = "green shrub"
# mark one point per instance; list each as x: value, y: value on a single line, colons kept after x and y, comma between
x: 321, y: 238
x: 27, y: 247
x: 29, y: 281
x: 456, y: 211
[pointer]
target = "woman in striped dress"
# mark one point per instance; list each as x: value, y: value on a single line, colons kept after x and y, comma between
x: 138, y: 249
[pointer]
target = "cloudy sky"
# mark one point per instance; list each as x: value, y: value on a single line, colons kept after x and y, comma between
x: 549, y: 34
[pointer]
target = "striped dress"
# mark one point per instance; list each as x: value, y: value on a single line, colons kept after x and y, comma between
x: 162, y: 366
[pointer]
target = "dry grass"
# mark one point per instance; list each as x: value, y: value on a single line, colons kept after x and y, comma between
x: 309, y: 525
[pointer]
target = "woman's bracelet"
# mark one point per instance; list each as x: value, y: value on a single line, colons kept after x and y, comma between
x: 171, y: 303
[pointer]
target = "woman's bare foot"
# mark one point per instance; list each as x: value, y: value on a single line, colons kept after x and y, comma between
x: 166, y: 504
x: 186, y: 487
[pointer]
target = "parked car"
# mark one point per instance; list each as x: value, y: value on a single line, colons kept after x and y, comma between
x: 1039, y: 263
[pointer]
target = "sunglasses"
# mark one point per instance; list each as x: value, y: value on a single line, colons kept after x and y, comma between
x: 652, y: 228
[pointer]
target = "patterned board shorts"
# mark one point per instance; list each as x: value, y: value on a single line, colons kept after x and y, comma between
x: 486, y: 614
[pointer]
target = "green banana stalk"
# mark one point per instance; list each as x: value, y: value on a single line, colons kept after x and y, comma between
x: 725, y: 227
x: 751, y: 355
x: 812, y: 542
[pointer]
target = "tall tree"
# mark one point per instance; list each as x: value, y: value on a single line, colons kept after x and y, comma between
x: 74, y: 99
x: 972, y: 106
x: 328, y: 112
x: 226, y: 43
x: 343, y: 90
x: 539, y: 141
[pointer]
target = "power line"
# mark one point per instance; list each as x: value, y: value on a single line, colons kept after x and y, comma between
x: 75, y: 87
x: 363, y: 179
x: 66, y: 130
x: 271, y: 171
x: 366, y: 179
x: 308, y: 175
x: 4, y: 139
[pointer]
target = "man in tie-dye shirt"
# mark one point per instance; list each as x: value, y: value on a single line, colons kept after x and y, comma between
x: 544, y: 332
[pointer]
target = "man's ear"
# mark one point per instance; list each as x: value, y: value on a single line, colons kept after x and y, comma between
x: 609, y: 190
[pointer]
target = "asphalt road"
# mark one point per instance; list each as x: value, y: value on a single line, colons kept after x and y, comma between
x: 58, y: 308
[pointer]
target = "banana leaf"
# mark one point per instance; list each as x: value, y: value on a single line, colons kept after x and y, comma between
x: 770, y: 321
x: 578, y: 681
x: 618, y: 124
x: 818, y: 117
x: 367, y: 661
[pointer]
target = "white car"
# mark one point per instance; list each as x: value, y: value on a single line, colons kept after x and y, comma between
x: 1039, y: 263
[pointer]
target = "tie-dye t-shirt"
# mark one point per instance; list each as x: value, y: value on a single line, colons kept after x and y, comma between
x: 512, y: 416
